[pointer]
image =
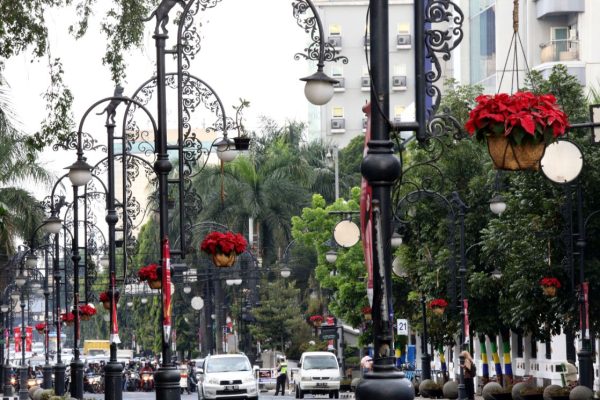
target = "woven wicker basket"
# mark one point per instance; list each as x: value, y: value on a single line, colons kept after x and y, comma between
x: 512, y: 157
x: 224, y: 260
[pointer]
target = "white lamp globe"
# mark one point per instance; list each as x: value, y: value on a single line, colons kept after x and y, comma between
x: 52, y: 224
x: 318, y: 92
x: 226, y: 149
x: 80, y: 173
x: 498, y: 204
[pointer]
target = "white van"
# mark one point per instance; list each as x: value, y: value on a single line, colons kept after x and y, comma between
x: 318, y: 373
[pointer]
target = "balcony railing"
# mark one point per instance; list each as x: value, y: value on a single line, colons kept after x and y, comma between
x: 559, y: 50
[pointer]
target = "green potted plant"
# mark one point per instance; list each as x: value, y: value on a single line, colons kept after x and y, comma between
x: 242, y: 141
x: 532, y: 393
x: 558, y: 392
x: 517, y: 127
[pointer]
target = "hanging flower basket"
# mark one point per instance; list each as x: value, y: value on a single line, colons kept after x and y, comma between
x: 241, y: 143
x: 150, y: 274
x: 316, y: 320
x: 438, y: 306
x: 223, y: 247
x: 105, y: 298
x: 68, y: 318
x: 549, y: 286
x: 41, y: 327
x: 517, y: 127
x: 368, y: 313
x: 86, y: 311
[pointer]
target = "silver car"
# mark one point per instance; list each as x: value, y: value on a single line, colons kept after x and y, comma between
x: 227, y: 376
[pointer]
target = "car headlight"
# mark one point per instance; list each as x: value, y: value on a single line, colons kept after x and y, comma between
x: 336, y: 378
x: 248, y: 379
x: 306, y: 378
x: 39, y: 381
x: 213, y: 381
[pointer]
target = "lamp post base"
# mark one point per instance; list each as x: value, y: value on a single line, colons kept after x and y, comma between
x: 113, y: 389
x: 76, y: 388
x: 166, y: 380
x: 7, y: 390
x: 47, y: 374
x: 59, y: 378
x: 23, y: 393
x: 425, y: 367
x: 384, y: 383
x: 586, y: 366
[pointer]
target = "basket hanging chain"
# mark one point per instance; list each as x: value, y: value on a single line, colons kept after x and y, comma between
x: 515, y: 16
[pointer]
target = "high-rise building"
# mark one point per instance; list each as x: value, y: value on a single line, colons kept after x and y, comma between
x: 346, y: 28
x: 550, y: 32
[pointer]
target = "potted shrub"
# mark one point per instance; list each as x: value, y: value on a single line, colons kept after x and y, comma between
x: 223, y: 247
x: 549, y: 286
x: 68, y: 318
x: 86, y: 311
x: 105, y: 298
x: 556, y: 392
x: 438, y: 306
x: 517, y: 127
x: 242, y: 141
x: 150, y: 274
x: 41, y: 327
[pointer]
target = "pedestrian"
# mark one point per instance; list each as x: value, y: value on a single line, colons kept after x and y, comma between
x: 469, y: 372
x: 281, y: 377
x: 366, y: 364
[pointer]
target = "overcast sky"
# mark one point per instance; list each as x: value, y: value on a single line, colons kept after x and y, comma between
x: 247, y: 52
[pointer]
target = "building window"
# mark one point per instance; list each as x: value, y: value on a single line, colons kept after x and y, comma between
x: 533, y: 347
x: 403, y: 39
x: 483, y: 46
x: 338, y: 123
x: 335, y: 36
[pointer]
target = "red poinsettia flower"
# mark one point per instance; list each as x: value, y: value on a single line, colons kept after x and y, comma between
x: 441, y: 303
x: 549, y: 281
x: 105, y: 296
x: 40, y: 327
x: 149, y: 273
x: 87, y: 309
x: 219, y: 242
x: 521, y: 116
x: 316, y: 318
x: 67, y: 317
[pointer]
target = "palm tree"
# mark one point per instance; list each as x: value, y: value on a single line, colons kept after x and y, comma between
x: 20, y: 212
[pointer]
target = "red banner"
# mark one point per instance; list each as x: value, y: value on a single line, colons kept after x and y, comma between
x: 585, y: 288
x: 114, y: 329
x: 28, y: 338
x: 366, y: 214
x: 17, y: 336
x: 466, y: 310
x: 166, y: 289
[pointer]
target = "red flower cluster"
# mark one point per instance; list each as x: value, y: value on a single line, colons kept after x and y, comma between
x: 367, y: 310
x: 40, y: 327
x: 548, y: 281
x: 105, y: 296
x: 68, y: 317
x: 219, y: 242
x: 438, y: 303
x: 87, y: 309
x: 149, y: 273
x: 316, y: 318
x: 522, y: 115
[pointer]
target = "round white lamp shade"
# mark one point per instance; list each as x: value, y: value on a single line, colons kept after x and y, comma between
x: 197, y: 303
x: 562, y: 161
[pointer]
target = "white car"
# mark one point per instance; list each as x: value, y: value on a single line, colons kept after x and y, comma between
x: 227, y: 376
x: 318, y: 373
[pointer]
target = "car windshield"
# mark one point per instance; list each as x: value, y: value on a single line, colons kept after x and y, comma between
x: 319, y: 362
x: 228, y: 364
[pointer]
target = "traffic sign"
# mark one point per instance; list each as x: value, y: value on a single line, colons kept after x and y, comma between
x: 402, y: 327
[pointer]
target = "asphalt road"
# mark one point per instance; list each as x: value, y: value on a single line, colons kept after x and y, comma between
x: 263, y: 396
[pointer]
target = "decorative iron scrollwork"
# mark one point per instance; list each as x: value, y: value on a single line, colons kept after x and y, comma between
x: 88, y: 143
x: 310, y: 25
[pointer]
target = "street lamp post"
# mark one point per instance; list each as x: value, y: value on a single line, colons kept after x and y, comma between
x: 23, y: 393
x: 4, y: 320
x: 562, y: 163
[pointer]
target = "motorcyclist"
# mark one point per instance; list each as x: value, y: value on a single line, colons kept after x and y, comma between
x: 191, y: 380
x: 147, y: 369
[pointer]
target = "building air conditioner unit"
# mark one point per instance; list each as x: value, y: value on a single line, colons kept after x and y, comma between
x: 403, y: 39
x: 335, y: 41
x: 364, y: 123
x: 365, y: 81
x: 399, y: 81
x: 337, y: 123
x: 340, y: 83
